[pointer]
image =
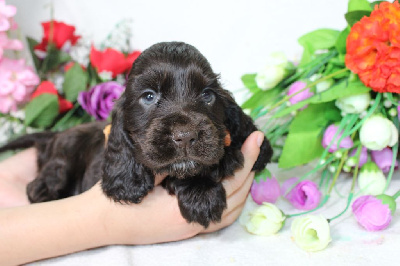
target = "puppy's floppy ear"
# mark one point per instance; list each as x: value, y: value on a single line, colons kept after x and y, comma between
x: 124, y: 179
x: 240, y: 127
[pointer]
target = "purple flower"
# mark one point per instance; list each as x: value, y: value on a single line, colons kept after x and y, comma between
x: 304, y: 196
x: 328, y: 136
x: 99, y: 100
x: 383, y: 159
x: 363, y: 156
x: 301, y: 96
x: 372, y: 213
x: 267, y: 190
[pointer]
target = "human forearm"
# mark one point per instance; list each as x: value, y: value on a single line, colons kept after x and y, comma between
x: 50, y: 229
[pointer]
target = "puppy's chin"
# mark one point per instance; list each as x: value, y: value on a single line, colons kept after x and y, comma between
x: 182, y: 169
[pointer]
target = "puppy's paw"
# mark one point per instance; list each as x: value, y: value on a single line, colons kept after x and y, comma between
x: 50, y: 184
x: 201, y: 201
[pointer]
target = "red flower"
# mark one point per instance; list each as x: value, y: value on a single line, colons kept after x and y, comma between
x: 373, y: 48
x: 112, y: 60
x: 61, y: 33
x: 48, y: 87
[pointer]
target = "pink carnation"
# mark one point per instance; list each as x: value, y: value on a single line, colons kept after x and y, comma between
x: 6, y: 43
x: 6, y: 13
x: 17, y: 82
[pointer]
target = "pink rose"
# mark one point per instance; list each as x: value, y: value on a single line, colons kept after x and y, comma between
x: 304, y: 196
x: 265, y: 190
x: 371, y: 213
x: 383, y: 159
x: 328, y: 136
x: 301, y: 96
x: 363, y: 156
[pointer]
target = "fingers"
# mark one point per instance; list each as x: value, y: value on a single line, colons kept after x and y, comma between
x: 228, y: 219
x: 250, y: 150
x: 159, y: 178
x: 235, y: 203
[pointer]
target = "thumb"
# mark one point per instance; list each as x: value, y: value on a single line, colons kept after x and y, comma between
x: 251, y: 149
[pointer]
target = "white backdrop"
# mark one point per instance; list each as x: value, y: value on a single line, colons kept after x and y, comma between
x: 235, y: 36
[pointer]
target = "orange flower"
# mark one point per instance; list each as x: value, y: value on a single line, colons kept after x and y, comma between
x: 373, y: 48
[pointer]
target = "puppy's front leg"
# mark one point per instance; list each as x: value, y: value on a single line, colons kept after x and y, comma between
x: 201, y: 200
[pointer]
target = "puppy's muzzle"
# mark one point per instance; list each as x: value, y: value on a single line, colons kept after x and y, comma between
x: 184, y: 138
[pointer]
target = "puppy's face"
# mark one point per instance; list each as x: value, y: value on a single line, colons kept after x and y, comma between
x: 174, y: 114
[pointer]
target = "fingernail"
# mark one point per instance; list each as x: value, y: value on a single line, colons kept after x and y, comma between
x: 260, y: 139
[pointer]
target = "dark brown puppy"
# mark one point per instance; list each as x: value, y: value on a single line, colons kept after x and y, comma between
x: 173, y: 118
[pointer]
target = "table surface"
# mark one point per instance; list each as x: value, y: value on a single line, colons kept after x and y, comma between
x: 351, y: 244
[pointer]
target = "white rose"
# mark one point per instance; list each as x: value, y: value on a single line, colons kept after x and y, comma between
x: 265, y: 220
x: 273, y: 72
x: 378, y: 132
x: 371, y: 179
x: 354, y: 104
x: 311, y: 232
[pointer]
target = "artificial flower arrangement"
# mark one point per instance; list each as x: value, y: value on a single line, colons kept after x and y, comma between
x: 337, y: 110
x: 74, y: 83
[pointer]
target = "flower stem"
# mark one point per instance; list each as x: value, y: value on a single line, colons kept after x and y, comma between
x: 349, y: 198
x: 355, y: 173
x: 322, y: 203
x: 285, y: 99
x: 395, y: 196
x: 369, y: 113
x: 394, y: 151
x: 12, y: 118
x: 339, y: 169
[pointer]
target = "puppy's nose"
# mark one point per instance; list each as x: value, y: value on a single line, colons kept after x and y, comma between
x: 184, y: 138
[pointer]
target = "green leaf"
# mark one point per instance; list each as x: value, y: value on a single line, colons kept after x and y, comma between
x: 355, y: 5
x: 42, y: 110
x: 263, y: 175
x: 339, y: 90
x: 53, y: 59
x: 373, y: 4
x: 303, y: 143
x: 354, y: 16
x: 249, y: 81
x: 341, y: 41
x: 71, y: 122
x: 74, y: 82
x: 261, y: 98
x: 32, y: 43
x: 317, y: 40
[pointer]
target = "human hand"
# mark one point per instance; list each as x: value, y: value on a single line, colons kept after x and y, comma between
x: 158, y: 219
x: 15, y: 174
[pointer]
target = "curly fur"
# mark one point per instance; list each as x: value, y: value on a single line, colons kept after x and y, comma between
x: 181, y: 134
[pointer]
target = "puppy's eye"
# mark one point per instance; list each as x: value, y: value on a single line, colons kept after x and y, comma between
x: 208, y: 96
x: 149, y: 97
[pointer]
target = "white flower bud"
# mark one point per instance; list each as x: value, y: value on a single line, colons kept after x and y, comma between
x: 371, y: 179
x: 377, y: 132
x: 354, y: 104
x: 392, y: 112
x: 387, y: 103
